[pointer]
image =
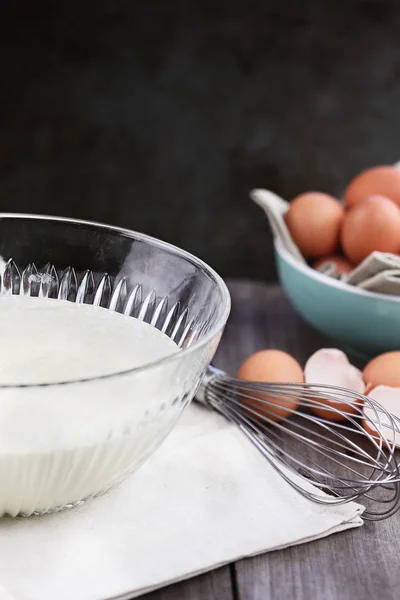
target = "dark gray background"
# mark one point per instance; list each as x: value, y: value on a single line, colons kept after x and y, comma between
x: 160, y: 116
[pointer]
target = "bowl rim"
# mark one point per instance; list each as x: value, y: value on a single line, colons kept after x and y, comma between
x: 330, y: 281
x: 224, y: 310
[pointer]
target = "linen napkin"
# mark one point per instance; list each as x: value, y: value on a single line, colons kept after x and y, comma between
x: 275, y: 208
x: 379, y: 272
x: 205, y: 498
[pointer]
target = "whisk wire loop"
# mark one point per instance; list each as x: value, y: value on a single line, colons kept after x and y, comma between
x: 327, y: 461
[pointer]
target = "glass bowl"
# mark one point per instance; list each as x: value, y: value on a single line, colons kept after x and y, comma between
x: 73, y: 440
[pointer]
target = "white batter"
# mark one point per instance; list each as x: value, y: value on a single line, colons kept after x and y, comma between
x: 44, y: 340
x: 62, y: 443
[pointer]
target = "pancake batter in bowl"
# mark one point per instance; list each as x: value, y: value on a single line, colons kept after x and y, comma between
x: 62, y: 443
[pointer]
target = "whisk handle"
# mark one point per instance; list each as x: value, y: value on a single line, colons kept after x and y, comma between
x: 211, y: 374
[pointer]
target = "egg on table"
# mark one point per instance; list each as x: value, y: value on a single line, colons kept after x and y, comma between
x: 330, y: 366
x: 314, y: 220
x: 384, y: 369
x: 271, y: 366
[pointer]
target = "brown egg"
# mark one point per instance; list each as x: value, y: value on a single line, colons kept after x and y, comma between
x: 383, y: 180
x: 269, y: 366
x: 330, y: 366
x: 341, y: 263
x: 383, y: 370
x: 314, y: 221
x: 373, y: 224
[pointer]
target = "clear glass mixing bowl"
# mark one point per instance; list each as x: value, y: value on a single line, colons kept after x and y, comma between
x: 123, y: 271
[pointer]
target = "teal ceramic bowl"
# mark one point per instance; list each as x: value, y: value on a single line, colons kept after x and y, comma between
x: 365, y: 322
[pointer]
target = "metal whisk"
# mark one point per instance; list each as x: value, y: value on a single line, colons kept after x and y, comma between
x: 342, y: 459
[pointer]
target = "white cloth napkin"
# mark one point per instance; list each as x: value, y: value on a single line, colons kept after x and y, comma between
x: 275, y: 208
x: 204, y: 499
x: 379, y: 272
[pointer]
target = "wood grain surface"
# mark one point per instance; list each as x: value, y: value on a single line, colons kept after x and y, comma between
x: 360, y: 564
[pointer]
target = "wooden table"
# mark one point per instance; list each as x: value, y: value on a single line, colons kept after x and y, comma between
x: 361, y: 564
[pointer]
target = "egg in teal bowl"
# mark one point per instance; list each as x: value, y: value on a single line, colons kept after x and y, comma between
x: 368, y: 323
